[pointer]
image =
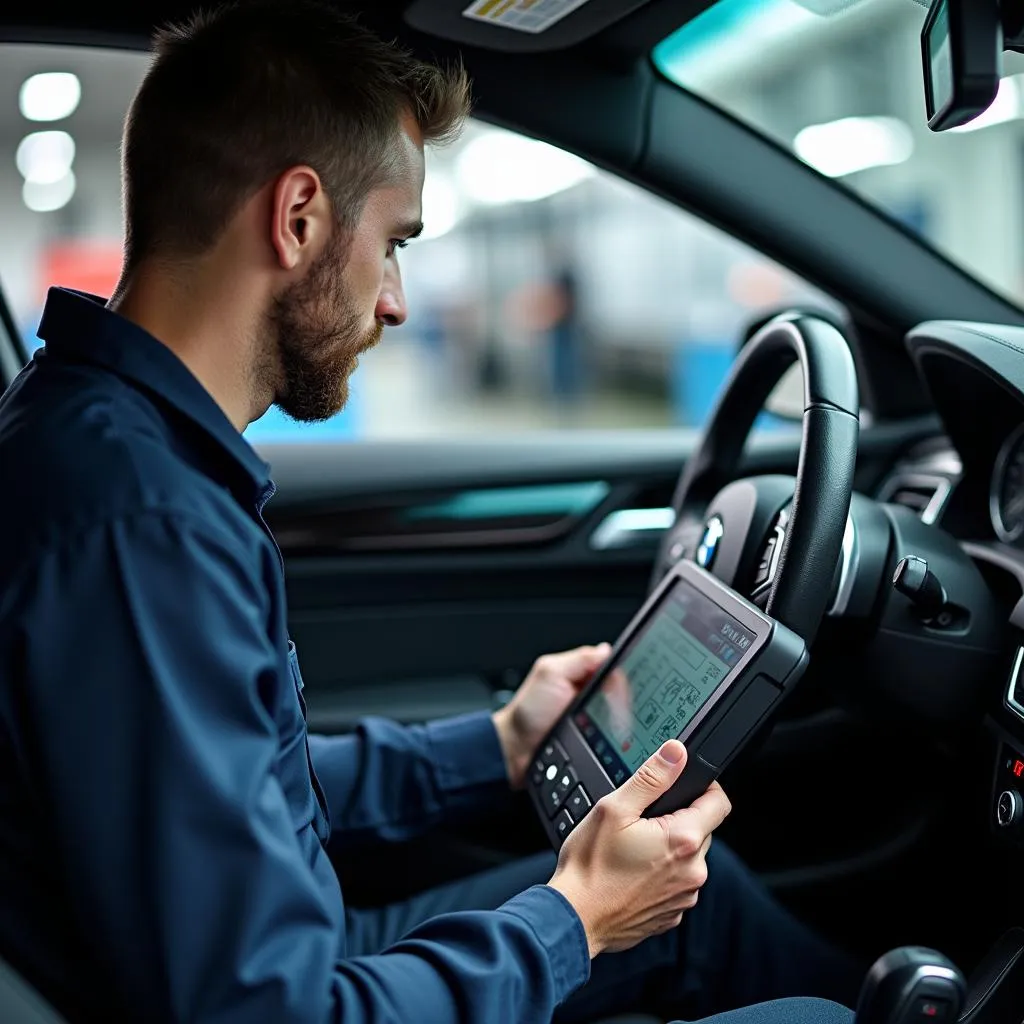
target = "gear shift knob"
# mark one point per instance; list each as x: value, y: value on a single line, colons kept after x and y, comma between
x: 911, y: 985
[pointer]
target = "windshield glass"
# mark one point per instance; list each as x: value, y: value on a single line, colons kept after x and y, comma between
x: 839, y: 83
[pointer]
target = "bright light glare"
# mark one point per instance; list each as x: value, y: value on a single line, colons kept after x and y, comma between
x: 45, y: 157
x: 44, y: 197
x: 711, y: 49
x: 440, y: 205
x: 1005, y: 107
x: 499, y: 167
x: 854, y: 144
x: 50, y: 96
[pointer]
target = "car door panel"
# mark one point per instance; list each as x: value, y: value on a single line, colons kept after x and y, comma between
x: 428, y: 563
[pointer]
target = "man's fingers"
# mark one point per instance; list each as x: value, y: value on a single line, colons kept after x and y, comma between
x: 652, y: 779
x: 577, y: 665
x: 704, y: 815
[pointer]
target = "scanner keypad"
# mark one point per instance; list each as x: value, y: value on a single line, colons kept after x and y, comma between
x: 564, y: 799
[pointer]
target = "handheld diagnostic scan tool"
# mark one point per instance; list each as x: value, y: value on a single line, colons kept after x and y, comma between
x: 698, y: 663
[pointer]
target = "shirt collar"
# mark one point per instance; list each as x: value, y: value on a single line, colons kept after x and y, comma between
x: 79, y: 326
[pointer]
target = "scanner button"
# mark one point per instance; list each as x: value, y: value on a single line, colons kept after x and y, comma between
x: 552, y: 798
x: 567, y: 779
x: 553, y: 753
x: 578, y: 803
x: 563, y: 825
x: 551, y: 772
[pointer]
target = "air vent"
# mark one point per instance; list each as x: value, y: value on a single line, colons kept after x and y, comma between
x: 924, y: 495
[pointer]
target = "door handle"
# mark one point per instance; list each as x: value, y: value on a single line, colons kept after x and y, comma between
x: 632, y: 528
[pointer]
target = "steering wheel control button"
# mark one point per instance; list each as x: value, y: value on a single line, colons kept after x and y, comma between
x: 563, y: 825
x: 764, y: 569
x: 770, y: 557
x: 578, y: 803
x: 1009, y: 809
x: 713, y: 533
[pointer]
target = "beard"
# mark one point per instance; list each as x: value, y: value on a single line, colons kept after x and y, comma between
x: 316, y: 334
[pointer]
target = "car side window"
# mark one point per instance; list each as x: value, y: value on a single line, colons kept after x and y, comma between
x: 544, y: 293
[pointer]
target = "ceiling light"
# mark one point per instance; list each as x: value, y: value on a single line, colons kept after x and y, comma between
x: 1005, y: 107
x: 45, y: 157
x: 50, y: 96
x: 500, y: 167
x: 45, y: 197
x: 440, y: 205
x: 854, y: 144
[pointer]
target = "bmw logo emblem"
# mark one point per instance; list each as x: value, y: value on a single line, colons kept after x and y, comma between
x: 713, y: 533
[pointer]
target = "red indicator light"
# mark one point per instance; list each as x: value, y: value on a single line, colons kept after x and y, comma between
x: 930, y: 1009
x: 1018, y: 768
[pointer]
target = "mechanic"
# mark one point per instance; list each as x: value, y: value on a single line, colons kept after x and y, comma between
x: 164, y: 819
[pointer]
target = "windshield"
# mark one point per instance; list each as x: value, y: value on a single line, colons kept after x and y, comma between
x: 839, y: 83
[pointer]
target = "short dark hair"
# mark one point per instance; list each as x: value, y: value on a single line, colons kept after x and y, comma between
x: 235, y: 96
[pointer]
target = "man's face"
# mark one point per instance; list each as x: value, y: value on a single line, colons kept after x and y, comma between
x: 320, y: 325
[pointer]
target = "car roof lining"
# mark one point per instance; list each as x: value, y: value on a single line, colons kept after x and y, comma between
x: 624, y: 28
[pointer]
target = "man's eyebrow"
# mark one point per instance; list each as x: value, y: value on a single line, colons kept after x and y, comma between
x: 410, y: 229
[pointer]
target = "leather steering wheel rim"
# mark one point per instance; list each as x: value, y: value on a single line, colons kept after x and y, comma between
x: 802, y: 587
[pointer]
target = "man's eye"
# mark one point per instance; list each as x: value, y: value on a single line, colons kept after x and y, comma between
x: 395, y: 244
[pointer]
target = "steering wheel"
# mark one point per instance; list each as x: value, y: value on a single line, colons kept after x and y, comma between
x: 773, y: 537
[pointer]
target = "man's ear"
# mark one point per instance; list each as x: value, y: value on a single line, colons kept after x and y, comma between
x: 300, y: 217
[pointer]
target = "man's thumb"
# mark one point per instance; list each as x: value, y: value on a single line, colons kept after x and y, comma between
x: 653, y: 778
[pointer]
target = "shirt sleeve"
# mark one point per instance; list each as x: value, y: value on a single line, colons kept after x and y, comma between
x: 391, y: 782
x: 151, y: 681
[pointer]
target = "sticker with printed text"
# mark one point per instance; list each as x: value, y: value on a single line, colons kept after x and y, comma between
x: 522, y: 15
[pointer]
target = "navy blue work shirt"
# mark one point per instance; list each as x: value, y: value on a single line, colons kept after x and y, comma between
x: 162, y: 815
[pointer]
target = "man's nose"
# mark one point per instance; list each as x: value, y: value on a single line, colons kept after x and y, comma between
x: 391, y: 309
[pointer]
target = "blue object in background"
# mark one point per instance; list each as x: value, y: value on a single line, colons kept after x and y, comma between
x: 29, y: 339
x: 275, y: 427
x: 698, y: 370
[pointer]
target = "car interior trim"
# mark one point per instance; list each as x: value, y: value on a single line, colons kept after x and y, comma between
x: 847, y: 569
x: 933, y: 510
x: 1011, y: 702
x: 632, y: 527
x: 1008, y: 536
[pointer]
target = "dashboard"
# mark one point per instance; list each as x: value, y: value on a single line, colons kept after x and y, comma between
x: 1006, y: 489
x: 970, y: 483
x: 925, y: 479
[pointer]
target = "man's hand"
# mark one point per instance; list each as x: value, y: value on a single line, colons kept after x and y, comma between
x: 546, y: 692
x: 630, y: 877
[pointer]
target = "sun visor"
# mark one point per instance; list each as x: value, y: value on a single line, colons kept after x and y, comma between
x: 517, y: 26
